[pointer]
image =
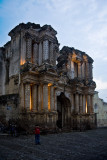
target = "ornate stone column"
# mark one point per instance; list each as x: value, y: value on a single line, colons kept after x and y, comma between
x: 40, y: 54
x: 76, y: 103
x: 45, y: 97
x: 90, y: 69
x: 54, y: 56
x: 88, y: 103
x: 83, y: 70
x: 79, y: 70
x: 91, y: 108
x: 72, y: 103
x: 72, y: 69
x: 51, y: 53
x: 87, y: 70
x: 81, y: 104
x: 22, y: 96
x: 27, y: 96
x: 52, y: 98
x: 40, y: 97
x: 69, y: 113
x: 55, y: 100
x: 34, y: 97
x: 84, y: 104
x: 28, y: 49
x: 45, y: 50
x: 23, y: 53
x: 35, y: 53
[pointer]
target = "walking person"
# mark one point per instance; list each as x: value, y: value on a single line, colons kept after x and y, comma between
x: 37, y: 134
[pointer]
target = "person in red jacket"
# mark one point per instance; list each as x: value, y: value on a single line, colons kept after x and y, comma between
x: 37, y: 134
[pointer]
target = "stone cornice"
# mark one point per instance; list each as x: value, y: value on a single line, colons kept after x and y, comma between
x: 32, y: 26
x: 21, y: 26
x: 49, y: 38
x: 49, y: 29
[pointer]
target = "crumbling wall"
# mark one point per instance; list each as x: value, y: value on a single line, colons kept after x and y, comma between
x: 14, y: 56
x: 2, y: 72
x: 9, y: 107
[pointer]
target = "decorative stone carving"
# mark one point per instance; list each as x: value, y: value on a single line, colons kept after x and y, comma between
x: 35, y: 53
x: 29, y: 49
x: 45, y: 97
x: 40, y: 54
x: 27, y: 96
x: 51, y: 52
x: 45, y: 50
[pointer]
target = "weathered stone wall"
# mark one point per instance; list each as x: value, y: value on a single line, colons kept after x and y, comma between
x: 9, y: 108
x: 100, y: 109
x: 15, y: 56
x: 1, y: 69
x: 2, y: 72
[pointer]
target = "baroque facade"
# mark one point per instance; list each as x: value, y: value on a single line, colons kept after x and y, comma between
x: 41, y: 84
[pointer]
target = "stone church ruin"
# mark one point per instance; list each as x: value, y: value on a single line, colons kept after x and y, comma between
x: 40, y: 84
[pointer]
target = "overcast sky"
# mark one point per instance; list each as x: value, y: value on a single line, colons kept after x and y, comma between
x: 81, y: 24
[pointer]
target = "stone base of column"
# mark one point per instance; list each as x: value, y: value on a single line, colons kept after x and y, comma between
x: 83, y: 121
x: 44, y: 119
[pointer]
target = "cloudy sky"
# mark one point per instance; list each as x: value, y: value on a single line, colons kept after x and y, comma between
x: 81, y: 24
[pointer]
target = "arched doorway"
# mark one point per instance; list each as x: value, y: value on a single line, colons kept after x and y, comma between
x: 64, y: 111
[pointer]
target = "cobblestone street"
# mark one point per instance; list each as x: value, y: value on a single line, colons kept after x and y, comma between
x: 89, y: 145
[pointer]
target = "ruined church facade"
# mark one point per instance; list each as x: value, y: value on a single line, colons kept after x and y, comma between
x: 40, y: 84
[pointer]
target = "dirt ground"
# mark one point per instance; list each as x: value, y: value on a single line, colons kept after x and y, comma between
x: 88, y: 145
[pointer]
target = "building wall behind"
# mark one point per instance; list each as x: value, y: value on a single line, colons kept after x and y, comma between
x: 100, y: 108
x: 14, y: 56
x: 2, y: 73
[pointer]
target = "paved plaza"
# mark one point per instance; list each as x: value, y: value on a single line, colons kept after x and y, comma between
x: 88, y: 145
